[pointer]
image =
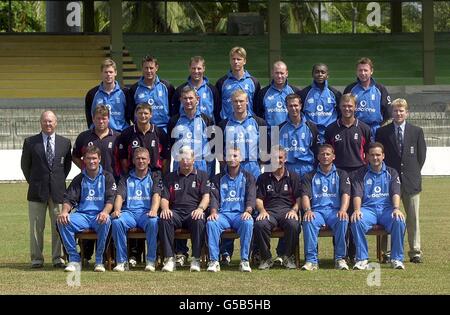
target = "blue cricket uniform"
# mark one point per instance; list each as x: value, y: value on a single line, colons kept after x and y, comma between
x: 245, y: 135
x: 137, y: 195
x: 89, y: 196
x: 159, y: 96
x: 226, y: 87
x: 185, y: 131
x: 231, y: 196
x: 376, y: 190
x: 372, y: 104
x: 300, y: 143
x: 116, y: 101
x: 270, y: 103
x: 320, y: 106
x: 325, y: 192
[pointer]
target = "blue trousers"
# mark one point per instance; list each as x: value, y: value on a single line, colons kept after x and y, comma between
x: 225, y: 221
x: 129, y: 220
x: 77, y: 223
x: 393, y: 226
x: 311, y: 233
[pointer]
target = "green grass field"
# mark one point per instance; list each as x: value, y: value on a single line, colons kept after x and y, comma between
x: 431, y: 277
x: 397, y: 58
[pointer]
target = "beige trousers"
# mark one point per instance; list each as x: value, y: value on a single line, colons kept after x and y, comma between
x: 37, y: 215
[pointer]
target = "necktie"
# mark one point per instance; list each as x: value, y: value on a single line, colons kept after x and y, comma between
x: 49, y: 153
x: 400, y: 139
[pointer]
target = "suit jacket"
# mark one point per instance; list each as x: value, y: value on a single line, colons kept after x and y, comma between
x: 45, y: 182
x: 410, y: 162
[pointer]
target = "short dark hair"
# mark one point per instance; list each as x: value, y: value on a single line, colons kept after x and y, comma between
x: 293, y: 96
x: 374, y: 145
x: 149, y: 58
x: 93, y: 150
x: 325, y: 146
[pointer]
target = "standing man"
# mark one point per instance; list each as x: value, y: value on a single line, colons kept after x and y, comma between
x: 299, y: 137
x: 242, y: 129
x: 320, y: 101
x: 153, y: 91
x: 189, y: 129
x: 270, y: 102
x: 110, y: 94
x: 136, y: 205
x: 207, y: 93
x: 233, y: 201
x: 373, y: 100
x: 236, y: 79
x: 405, y: 151
x: 184, y: 201
x: 350, y: 139
x: 101, y: 136
x: 92, y: 193
x: 46, y: 162
x: 278, y: 202
x: 376, y: 200
x: 325, y: 200
x: 147, y: 135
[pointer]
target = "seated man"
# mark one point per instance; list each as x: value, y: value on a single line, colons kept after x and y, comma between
x: 278, y: 203
x: 232, y: 204
x: 184, y: 200
x: 136, y: 205
x: 325, y: 200
x: 92, y: 193
x: 376, y: 199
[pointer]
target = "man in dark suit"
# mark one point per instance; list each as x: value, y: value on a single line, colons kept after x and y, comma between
x: 405, y: 150
x: 46, y: 162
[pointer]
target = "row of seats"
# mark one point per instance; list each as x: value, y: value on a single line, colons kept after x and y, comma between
x: 137, y: 233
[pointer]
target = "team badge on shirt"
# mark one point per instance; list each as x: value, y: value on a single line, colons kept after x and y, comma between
x: 194, y: 183
x: 286, y: 187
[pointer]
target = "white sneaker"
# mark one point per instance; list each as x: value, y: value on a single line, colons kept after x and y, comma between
x: 169, y: 264
x: 244, y: 266
x: 99, y: 268
x: 180, y: 260
x: 213, y: 266
x: 289, y: 262
x: 73, y: 266
x: 132, y: 262
x: 150, y: 266
x: 341, y: 264
x: 397, y: 264
x: 265, y: 264
x: 279, y: 260
x: 310, y: 266
x: 361, y: 265
x: 195, y: 264
x: 226, y: 260
x: 121, y: 267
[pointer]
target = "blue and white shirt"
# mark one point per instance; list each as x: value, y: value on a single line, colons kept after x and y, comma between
x: 376, y: 188
x: 228, y: 84
x: 320, y: 106
x: 325, y: 190
x: 270, y: 103
x: 116, y: 103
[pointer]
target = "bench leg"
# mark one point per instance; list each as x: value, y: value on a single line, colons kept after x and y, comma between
x: 379, y: 256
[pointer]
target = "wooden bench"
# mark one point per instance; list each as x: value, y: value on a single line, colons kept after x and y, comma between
x: 92, y: 235
x: 377, y: 230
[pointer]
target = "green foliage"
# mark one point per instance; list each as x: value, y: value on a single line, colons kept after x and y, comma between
x: 27, y: 16
x: 442, y: 16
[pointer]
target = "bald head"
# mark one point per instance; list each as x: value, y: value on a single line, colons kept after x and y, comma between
x: 48, y: 122
x: 279, y: 74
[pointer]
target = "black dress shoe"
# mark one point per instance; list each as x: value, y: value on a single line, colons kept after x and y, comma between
x: 37, y: 265
x: 416, y: 260
x: 59, y: 265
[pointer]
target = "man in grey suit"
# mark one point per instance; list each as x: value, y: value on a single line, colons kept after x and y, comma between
x: 46, y: 162
x: 405, y: 150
